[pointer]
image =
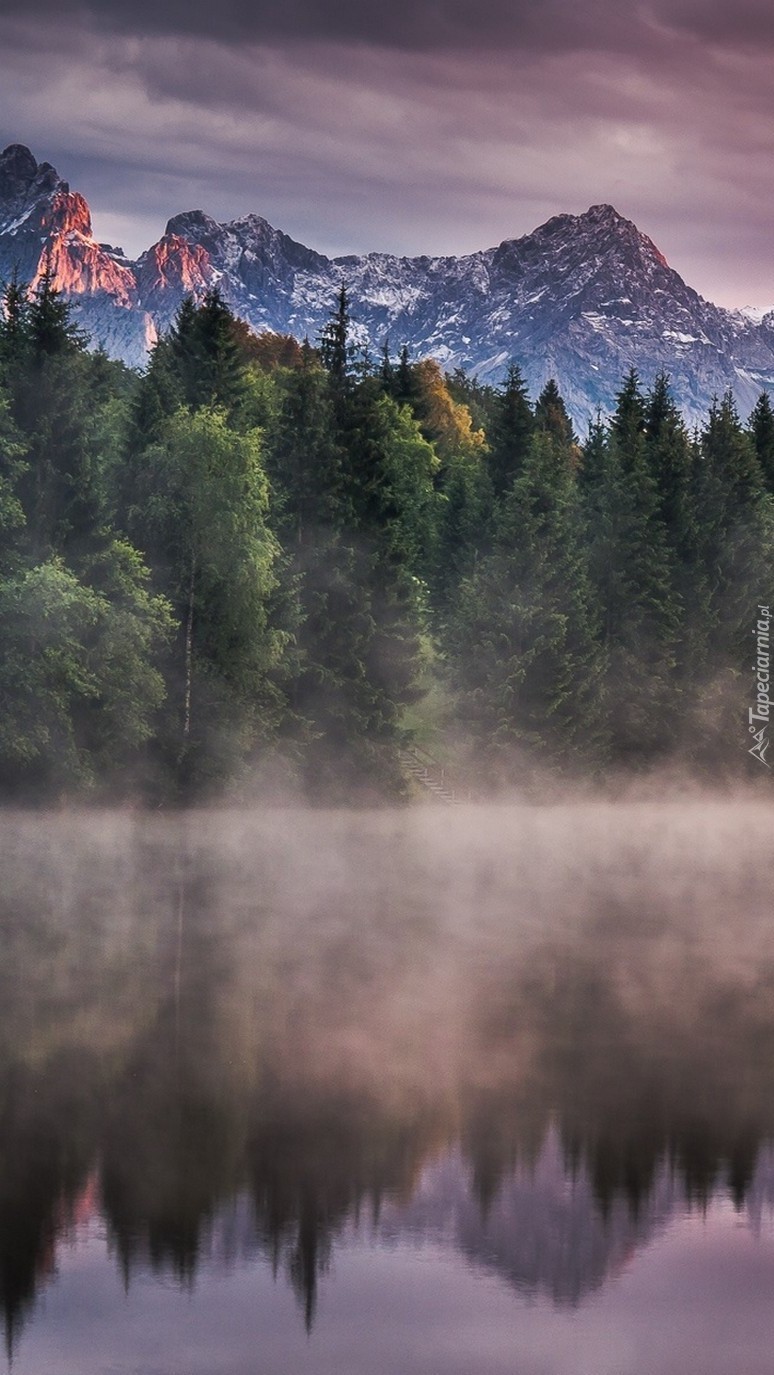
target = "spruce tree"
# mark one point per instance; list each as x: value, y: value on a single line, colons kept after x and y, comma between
x: 464, y: 533
x: 551, y: 415
x: 390, y: 476
x: 12, y: 470
x: 631, y: 575
x: 49, y: 379
x: 735, y: 538
x: 306, y: 459
x: 208, y: 358
x: 404, y: 385
x: 628, y: 419
x: 522, y: 643
x: 671, y: 460
x: 336, y: 350
x: 510, y: 432
x: 761, y: 427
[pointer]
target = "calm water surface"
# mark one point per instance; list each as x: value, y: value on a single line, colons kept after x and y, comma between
x: 421, y: 1092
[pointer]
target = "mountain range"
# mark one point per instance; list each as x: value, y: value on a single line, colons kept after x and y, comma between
x: 583, y: 298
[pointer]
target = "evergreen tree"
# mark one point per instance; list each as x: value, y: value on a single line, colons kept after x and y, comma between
x: 735, y: 535
x: 628, y: 419
x: 630, y: 571
x: 390, y: 476
x: 551, y: 415
x: 208, y: 358
x: 522, y: 643
x: 509, y: 437
x: 592, y: 470
x: 47, y: 376
x: 49, y: 325
x: 761, y: 428
x: 12, y: 470
x: 464, y: 535
x: 354, y: 485
x: 671, y: 460
x: 311, y: 508
x: 404, y: 387
x: 306, y: 459
x: 386, y: 370
x: 336, y: 350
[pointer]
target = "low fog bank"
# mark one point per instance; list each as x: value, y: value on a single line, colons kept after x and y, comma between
x: 381, y: 939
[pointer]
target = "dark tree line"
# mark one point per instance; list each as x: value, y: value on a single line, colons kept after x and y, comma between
x: 257, y: 557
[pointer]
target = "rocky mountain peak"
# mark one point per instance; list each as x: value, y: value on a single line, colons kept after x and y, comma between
x: 192, y: 224
x: 18, y: 170
x: 583, y: 298
x: 606, y: 215
x: 605, y: 220
x: 24, y: 181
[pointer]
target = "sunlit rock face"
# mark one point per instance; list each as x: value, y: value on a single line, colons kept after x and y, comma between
x: 583, y: 299
x: 44, y: 226
x: 170, y: 270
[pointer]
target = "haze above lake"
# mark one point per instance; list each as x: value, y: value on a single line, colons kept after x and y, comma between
x: 424, y: 1090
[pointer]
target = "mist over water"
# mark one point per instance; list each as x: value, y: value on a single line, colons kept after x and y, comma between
x: 481, y: 1055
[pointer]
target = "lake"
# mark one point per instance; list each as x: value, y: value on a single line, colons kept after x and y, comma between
x: 427, y: 1091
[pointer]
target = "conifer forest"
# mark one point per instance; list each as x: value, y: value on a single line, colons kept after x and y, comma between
x: 265, y: 564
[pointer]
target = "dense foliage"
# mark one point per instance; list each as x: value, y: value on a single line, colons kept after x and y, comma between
x: 265, y: 562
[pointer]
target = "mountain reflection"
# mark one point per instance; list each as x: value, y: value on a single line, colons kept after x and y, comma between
x: 532, y: 1035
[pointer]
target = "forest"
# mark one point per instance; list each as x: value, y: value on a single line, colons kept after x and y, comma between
x: 265, y: 566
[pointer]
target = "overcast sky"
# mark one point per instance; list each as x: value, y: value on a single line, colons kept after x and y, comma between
x: 410, y: 125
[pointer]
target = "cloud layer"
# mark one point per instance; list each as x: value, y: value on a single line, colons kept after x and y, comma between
x: 425, y: 127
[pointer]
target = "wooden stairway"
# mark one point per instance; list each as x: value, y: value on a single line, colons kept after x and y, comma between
x: 420, y: 766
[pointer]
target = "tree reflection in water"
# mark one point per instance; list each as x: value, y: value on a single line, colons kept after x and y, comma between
x: 373, y: 1018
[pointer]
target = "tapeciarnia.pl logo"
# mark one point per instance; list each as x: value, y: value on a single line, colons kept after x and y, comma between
x: 758, y: 716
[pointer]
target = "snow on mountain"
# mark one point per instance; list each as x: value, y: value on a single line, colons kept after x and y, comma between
x: 755, y: 313
x: 582, y: 299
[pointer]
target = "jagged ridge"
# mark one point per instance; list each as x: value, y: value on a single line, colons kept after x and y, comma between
x: 583, y: 298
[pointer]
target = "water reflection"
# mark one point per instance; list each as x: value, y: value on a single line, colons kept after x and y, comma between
x: 534, y: 1037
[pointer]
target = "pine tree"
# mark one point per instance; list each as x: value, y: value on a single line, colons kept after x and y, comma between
x: 311, y: 508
